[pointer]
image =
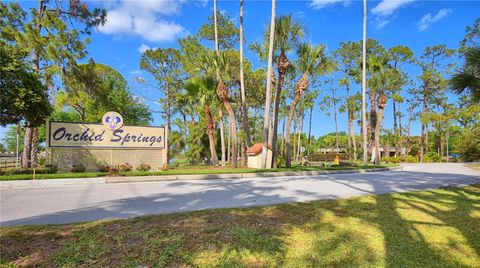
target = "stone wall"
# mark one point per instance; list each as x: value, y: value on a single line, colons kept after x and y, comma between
x: 65, y: 158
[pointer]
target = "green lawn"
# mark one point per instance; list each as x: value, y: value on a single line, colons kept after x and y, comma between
x: 181, y: 171
x: 433, y: 228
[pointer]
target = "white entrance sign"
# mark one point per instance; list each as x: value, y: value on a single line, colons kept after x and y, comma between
x: 83, y: 135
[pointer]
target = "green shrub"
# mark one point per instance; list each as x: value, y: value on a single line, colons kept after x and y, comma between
x: 144, y: 167
x: 411, y: 159
x: 126, y: 167
x: 78, y: 168
x: 431, y: 157
x: 41, y: 161
x: 51, y: 169
x: 174, y: 165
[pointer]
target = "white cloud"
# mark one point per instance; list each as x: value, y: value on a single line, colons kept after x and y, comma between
x: 381, y: 22
x: 143, y: 48
x: 428, y: 20
x: 136, y: 72
x: 319, y: 4
x: 384, y: 10
x: 145, y: 19
x: 387, y: 7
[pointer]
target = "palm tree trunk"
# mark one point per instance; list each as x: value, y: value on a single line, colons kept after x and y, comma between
x: 229, y: 145
x: 233, y: 127
x: 211, y: 135
x: 169, y: 115
x: 382, y: 102
x: 302, y: 85
x: 288, y: 160
x: 335, y: 116
x: 410, y: 118
x: 222, y: 136
x: 424, y: 137
x: 268, y: 94
x: 299, y: 139
x: 364, y: 84
x: 282, y: 64
x: 283, y: 136
x: 310, y: 131
x: 395, y: 127
x: 373, y: 121
x: 295, y: 124
x: 246, y: 126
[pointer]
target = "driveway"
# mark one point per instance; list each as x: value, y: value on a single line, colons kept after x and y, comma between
x: 78, y: 203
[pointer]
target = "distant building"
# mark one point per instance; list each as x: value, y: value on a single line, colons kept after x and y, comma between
x: 254, y: 155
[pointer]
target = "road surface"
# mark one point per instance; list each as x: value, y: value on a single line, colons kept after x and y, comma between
x: 67, y: 204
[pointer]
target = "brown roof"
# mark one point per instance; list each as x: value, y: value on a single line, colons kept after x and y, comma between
x: 257, y: 148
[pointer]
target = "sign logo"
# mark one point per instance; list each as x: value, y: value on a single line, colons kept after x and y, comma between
x: 112, y: 120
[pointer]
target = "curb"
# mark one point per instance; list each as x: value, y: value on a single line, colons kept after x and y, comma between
x: 105, y: 180
x: 51, y: 182
x: 239, y: 175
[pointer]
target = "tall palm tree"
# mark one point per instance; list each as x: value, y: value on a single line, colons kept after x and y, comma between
x: 311, y: 61
x: 202, y: 89
x: 268, y: 94
x: 246, y: 126
x: 364, y: 83
x: 468, y: 78
x: 288, y: 33
x: 222, y: 90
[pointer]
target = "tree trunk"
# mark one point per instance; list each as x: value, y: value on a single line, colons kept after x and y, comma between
x: 295, y: 124
x: 211, y: 135
x: 310, y: 131
x: 283, y: 136
x: 246, y: 126
x: 302, y: 85
x: 364, y: 83
x: 335, y: 116
x: 351, y: 119
x: 282, y: 64
x: 222, y: 91
x: 243, y: 161
x: 27, y: 143
x: 410, y: 119
x: 268, y: 93
x: 349, y: 127
x: 169, y: 127
x: 395, y: 128
x: 299, y: 139
x: 373, y: 122
x: 382, y: 102
x: 424, y: 137
x: 222, y: 136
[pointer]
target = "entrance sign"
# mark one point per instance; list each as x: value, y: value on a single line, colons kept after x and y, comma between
x: 109, y: 143
x: 98, y: 136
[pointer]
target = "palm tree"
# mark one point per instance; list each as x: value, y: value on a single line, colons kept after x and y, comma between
x: 311, y: 61
x: 364, y: 83
x: 468, y: 78
x: 202, y: 89
x: 246, y: 126
x: 268, y: 94
x: 287, y: 32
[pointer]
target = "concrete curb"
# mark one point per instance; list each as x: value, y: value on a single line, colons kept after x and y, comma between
x: 51, y: 182
x: 104, y: 180
x: 239, y: 175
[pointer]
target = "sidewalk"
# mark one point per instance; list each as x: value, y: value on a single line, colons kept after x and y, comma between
x: 124, y: 179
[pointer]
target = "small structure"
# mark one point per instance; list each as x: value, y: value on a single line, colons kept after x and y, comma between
x: 254, y: 155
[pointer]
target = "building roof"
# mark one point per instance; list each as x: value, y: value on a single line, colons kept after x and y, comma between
x: 257, y: 148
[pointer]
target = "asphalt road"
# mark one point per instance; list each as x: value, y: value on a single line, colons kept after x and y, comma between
x: 78, y: 203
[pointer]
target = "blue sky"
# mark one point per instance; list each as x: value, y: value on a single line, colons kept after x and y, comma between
x: 135, y: 25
